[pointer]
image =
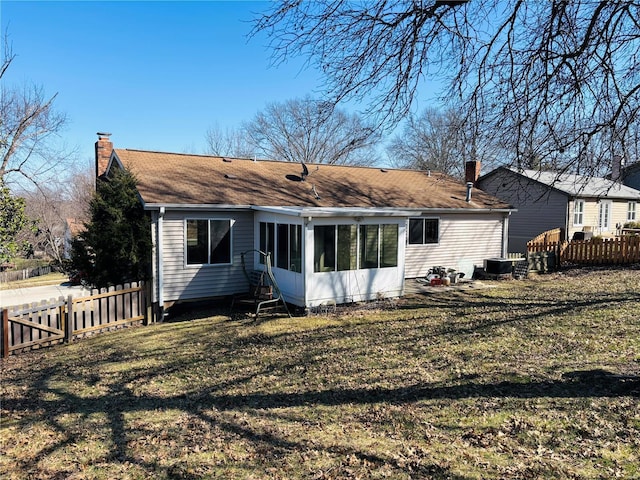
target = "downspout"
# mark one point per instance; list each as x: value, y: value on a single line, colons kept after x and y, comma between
x: 505, y: 235
x: 160, y: 279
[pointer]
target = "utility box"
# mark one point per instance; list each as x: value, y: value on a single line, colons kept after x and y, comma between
x: 498, y: 266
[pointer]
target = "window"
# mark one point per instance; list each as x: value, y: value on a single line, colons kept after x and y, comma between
x: 284, y: 242
x: 347, y: 247
x: 208, y: 242
x: 324, y: 239
x: 289, y: 247
x: 631, y: 212
x: 389, y: 246
x: 369, y: 246
x: 267, y: 239
x: 423, y: 231
x: 578, y: 212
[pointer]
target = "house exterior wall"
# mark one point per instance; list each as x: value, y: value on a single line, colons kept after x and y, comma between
x: 632, y: 176
x: 465, y: 241
x: 539, y: 208
x: 187, y: 282
x: 591, y: 222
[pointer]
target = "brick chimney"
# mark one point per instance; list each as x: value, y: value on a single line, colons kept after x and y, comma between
x: 472, y: 171
x: 104, y: 147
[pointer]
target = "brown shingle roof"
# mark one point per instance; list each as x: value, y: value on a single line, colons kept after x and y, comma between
x: 170, y: 179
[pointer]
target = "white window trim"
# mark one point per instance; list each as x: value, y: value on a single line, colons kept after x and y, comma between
x: 576, y: 202
x: 632, y: 211
x: 209, y: 219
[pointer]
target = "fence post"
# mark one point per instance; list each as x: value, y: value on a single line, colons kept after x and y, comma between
x: 5, y: 332
x: 148, y: 307
x: 68, y: 324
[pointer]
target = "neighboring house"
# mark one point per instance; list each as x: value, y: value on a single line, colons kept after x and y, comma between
x: 73, y: 227
x: 631, y: 177
x: 547, y: 200
x: 336, y: 233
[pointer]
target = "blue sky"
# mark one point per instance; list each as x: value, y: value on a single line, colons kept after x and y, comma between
x: 156, y: 75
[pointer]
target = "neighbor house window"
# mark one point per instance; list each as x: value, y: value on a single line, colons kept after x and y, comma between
x: 578, y: 212
x: 208, y: 242
x: 423, y: 231
x: 347, y: 247
x: 631, y: 212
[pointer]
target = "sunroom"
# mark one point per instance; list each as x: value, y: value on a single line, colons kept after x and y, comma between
x: 323, y: 256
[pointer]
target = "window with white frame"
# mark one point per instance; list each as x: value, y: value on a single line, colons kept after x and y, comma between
x: 208, y: 241
x: 348, y: 247
x: 423, y: 231
x: 578, y: 212
x: 284, y: 242
x: 631, y: 211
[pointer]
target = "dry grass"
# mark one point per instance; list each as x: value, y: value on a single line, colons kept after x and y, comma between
x: 529, y: 379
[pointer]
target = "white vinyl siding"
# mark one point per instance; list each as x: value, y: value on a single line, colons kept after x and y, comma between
x: 465, y: 240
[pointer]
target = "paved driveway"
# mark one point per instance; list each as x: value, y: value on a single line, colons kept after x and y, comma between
x: 20, y: 296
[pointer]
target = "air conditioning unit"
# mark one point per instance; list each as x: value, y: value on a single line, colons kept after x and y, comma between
x: 498, y: 266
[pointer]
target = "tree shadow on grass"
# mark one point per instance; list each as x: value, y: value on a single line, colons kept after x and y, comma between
x: 210, y: 406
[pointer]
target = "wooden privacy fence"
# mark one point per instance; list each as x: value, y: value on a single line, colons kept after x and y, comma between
x: 55, y: 321
x: 550, y: 236
x: 597, y: 251
x: 14, y: 275
x: 607, y: 251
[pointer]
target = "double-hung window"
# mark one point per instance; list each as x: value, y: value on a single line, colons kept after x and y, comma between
x: 423, y: 231
x: 578, y: 212
x: 208, y: 241
x: 631, y: 211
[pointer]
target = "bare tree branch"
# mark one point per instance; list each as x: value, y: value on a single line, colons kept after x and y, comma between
x: 555, y: 83
x: 311, y: 131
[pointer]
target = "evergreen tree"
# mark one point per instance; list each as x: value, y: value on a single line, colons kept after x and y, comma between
x: 116, y: 245
x: 13, y: 220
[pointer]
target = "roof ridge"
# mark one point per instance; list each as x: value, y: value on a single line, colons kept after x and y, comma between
x: 272, y: 160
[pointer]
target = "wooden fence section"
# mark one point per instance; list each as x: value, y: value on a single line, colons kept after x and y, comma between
x: 24, y: 274
x: 622, y: 250
x: 609, y: 251
x: 62, y: 320
x: 550, y: 236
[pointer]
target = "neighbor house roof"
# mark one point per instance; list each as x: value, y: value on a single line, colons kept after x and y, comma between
x: 577, y: 185
x: 172, y: 179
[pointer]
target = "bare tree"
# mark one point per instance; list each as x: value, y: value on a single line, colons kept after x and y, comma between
x: 429, y: 141
x: 312, y: 131
x: 551, y: 81
x: 227, y: 143
x: 52, y: 205
x: 28, y: 127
